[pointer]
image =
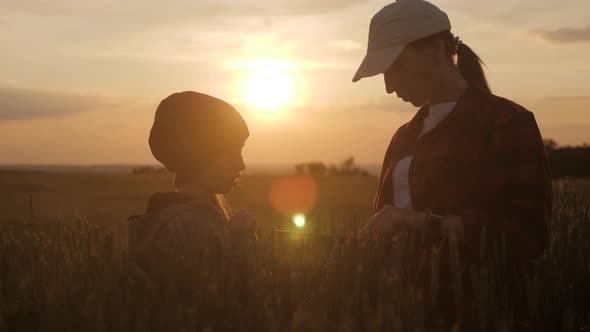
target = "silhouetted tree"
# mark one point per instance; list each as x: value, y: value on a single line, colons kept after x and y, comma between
x: 300, y: 169
x: 568, y: 161
x: 347, y: 167
x: 316, y: 169
x: 550, y: 144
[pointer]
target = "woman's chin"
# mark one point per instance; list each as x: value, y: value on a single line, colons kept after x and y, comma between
x: 416, y: 102
x: 412, y: 101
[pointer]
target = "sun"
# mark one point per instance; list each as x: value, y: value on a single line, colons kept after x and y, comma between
x: 269, y: 86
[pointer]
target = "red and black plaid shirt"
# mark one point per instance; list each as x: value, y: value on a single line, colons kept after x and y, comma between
x: 485, y: 162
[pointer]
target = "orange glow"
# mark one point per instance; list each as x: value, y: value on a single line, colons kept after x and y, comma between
x: 293, y: 195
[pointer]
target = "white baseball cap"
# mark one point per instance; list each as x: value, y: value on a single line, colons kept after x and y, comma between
x: 395, y: 26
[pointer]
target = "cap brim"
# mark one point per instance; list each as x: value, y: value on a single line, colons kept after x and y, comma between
x: 377, y: 62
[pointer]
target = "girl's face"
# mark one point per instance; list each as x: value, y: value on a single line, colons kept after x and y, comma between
x: 221, y: 176
x: 414, y: 74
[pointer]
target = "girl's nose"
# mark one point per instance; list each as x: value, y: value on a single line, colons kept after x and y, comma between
x: 241, y: 164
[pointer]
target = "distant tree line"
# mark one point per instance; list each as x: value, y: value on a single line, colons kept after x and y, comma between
x: 149, y: 170
x: 568, y: 161
x: 346, y: 168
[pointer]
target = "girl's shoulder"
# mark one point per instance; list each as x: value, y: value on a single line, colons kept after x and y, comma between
x: 200, y: 211
x: 193, y: 221
x: 176, y: 223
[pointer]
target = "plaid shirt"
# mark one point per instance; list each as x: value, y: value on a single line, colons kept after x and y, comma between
x: 485, y: 162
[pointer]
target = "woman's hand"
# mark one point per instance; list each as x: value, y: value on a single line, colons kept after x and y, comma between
x: 452, y: 227
x: 390, y: 219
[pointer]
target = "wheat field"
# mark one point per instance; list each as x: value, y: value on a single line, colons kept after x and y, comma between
x: 63, y: 266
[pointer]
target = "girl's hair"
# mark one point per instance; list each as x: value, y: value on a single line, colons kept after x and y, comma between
x: 223, y: 205
x: 469, y: 63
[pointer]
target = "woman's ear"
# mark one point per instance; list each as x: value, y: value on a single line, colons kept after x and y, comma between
x: 437, y: 48
x: 438, y: 53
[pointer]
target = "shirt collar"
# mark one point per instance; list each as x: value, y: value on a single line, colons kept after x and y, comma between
x: 469, y: 102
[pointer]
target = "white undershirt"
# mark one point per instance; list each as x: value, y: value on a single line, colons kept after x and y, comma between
x: 401, y: 187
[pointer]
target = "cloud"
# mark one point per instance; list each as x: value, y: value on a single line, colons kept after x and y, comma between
x: 567, y: 98
x: 566, y: 134
x: 384, y: 104
x: 26, y: 104
x: 565, y: 35
x: 344, y: 45
x: 178, y: 9
x: 227, y: 43
x: 71, y: 25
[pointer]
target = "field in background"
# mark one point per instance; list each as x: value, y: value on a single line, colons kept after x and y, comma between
x: 108, y: 199
x: 72, y: 276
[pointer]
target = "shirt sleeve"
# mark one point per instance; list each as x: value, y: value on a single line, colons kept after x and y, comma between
x: 517, y: 187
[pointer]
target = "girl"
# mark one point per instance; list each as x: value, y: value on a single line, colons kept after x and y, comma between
x: 199, y: 138
x: 468, y: 158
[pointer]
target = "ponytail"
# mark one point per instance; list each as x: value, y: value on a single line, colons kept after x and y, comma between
x: 469, y: 64
x: 471, y: 67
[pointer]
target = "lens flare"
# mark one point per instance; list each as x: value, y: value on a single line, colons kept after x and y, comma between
x: 299, y: 220
x: 293, y: 194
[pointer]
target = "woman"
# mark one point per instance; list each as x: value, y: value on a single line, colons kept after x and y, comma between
x: 468, y: 159
x: 199, y: 138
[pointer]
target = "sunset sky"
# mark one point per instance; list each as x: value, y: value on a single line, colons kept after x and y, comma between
x: 80, y: 80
